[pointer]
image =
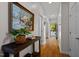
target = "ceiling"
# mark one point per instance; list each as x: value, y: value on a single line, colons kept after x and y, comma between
x: 49, y: 10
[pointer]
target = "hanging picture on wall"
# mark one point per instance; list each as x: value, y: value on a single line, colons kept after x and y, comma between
x: 20, y: 17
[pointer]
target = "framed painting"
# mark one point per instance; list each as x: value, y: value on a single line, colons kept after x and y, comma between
x: 20, y: 17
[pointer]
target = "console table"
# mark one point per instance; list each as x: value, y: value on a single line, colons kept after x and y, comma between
x: 13, y: 48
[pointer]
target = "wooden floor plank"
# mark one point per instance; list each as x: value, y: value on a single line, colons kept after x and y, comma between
x: 51, y: 49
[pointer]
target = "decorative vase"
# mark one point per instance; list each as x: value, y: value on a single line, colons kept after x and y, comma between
x: 20, y: 39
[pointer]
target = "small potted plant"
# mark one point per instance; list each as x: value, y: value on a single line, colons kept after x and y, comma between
x: 53, y: 29
x: 20, y: 35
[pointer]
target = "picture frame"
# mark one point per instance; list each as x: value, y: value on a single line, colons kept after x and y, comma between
x: 20, y: 17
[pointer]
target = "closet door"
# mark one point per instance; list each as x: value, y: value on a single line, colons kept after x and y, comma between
x: 74, y: 29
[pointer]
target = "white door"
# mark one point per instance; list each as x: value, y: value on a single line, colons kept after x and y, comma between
x: 74, y: 29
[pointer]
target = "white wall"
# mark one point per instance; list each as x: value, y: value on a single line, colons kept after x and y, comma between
x: 4, y: 26
x: 65, y: 27
x: 3, y: 21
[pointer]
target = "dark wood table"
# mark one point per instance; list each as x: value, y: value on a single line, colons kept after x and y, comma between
x: 13, y: 48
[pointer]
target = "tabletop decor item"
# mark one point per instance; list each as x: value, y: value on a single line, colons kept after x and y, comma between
x: 20, y: 35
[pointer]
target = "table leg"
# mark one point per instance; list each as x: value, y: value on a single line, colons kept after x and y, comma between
x: 16, y: 55
x: 39, y: 48
x: 33, y: 48
x: 6, y: 54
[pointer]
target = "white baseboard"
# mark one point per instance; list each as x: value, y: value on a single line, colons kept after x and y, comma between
x: 66, y: 52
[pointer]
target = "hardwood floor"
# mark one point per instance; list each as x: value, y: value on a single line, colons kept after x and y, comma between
x: 51, y: 49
